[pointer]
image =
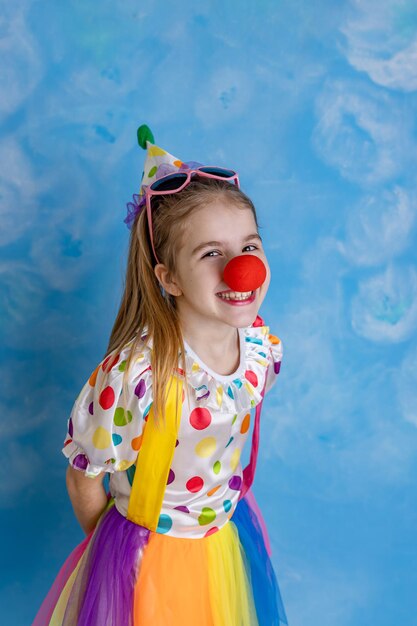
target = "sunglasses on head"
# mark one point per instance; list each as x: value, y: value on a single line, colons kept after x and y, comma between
x: 173, y: 183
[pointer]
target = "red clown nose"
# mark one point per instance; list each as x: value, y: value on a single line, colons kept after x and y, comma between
x: 244, y: 273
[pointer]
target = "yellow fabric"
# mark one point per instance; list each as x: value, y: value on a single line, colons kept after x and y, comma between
x: 230, y: 588
x: 154, y: 461
x: 60, y: 607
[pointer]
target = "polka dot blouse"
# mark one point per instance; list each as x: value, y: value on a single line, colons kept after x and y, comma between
x: 206, y: 472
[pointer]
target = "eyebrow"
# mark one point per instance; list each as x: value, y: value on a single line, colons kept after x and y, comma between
x: 205, y: 244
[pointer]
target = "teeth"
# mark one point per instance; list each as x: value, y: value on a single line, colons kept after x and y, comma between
x: 235, y: 295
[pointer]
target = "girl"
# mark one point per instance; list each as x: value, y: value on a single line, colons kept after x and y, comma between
x: 179, y: 540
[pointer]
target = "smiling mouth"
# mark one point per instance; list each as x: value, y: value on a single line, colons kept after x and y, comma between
x: 235, y: 295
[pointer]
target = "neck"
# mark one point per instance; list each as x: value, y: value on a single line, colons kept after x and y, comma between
x: 216, y: 345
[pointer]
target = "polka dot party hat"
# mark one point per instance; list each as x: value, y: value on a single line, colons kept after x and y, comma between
x: 158, y: 163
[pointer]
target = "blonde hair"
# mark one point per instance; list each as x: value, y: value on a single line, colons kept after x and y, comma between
x: 143, y: 305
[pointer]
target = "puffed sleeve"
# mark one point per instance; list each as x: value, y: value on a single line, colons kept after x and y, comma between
x: 105, y: 426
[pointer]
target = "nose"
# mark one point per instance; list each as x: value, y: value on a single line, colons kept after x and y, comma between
x: 244, y: 273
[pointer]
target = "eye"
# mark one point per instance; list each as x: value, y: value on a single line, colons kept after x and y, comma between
x: 251, y: 245
x: 210, y: 253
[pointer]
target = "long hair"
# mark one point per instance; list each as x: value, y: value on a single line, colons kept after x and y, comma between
x: 144, y: 307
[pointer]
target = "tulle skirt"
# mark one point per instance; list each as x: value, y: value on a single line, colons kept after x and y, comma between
x: 122, y: 574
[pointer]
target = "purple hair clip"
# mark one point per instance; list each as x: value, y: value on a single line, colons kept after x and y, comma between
x: 133, y: 208
x: 139, y: 201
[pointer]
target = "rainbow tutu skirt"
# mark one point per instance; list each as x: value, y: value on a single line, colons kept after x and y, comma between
x: 123, y: 574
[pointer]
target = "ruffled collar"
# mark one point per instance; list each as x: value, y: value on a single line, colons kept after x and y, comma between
x: 241, y: 390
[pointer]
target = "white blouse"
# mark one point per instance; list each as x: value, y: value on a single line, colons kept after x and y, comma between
x: 206, y: 474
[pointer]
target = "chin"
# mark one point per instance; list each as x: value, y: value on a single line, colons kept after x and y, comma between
x: 245, y: 319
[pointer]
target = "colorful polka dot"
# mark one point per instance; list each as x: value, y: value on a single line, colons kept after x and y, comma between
x: 122, y: 366
x: 91, y: 408
x: 117, y: 439
x: 234, y: 418
x: 195, y: 484
x: 251, y: 377
x: 93, y: 378
x: 110, y: 362
x: 101, y: 438
x: 123, y: 465
x: 203, y: 392
x: 152, y: 171
x: 107, y: 398
x: 70, y: 428
x: 130, y: 472
x: 256, y: 340
x: 213, y: 491
x: 217, y: 467
x: 229, y: 442
x: 245, y: 424
x: 200, y: 418
x: 171, y: 477
x: 182, y: 508
x: 227, y: 505
x: 235, y: 483
x: 219, y: 395
x: 156, y: 151
x: 80, y: 461
x: 206, y: 447
x: 211, y: 531
x: 136, y: 443
x: 258, y: 322
x: 234, y: 461
x: 207, y: 516
x: 277, y: 367
x: 140, y: 388
x: 164, y: 523
x: 249, y: 388
x: 122, y: 417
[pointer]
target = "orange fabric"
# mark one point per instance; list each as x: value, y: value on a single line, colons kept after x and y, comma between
x: 172, y: 588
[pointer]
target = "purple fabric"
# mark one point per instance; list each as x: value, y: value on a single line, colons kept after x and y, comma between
x: 103, y: 591
x: 135, y: 207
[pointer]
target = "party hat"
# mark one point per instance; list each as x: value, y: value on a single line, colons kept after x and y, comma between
x: 158, y: 163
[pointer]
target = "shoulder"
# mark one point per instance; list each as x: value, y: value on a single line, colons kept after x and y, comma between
x: 126, y: 365
x: 132, y: 361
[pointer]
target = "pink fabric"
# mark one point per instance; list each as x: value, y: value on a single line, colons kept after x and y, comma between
x: 44, y: 614
x: 249, y: 470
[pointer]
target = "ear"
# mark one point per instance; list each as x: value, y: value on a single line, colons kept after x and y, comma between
x: 164, y: 278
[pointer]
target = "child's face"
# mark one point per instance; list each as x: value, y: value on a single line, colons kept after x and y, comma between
x: 200, y: 273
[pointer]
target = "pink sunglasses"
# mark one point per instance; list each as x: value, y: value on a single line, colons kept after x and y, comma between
x: 173, y: 183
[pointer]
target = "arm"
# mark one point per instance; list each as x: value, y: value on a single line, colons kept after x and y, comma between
x: 88, y: 497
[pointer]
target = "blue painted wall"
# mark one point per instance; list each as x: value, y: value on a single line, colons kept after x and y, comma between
x: 313, y: 103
